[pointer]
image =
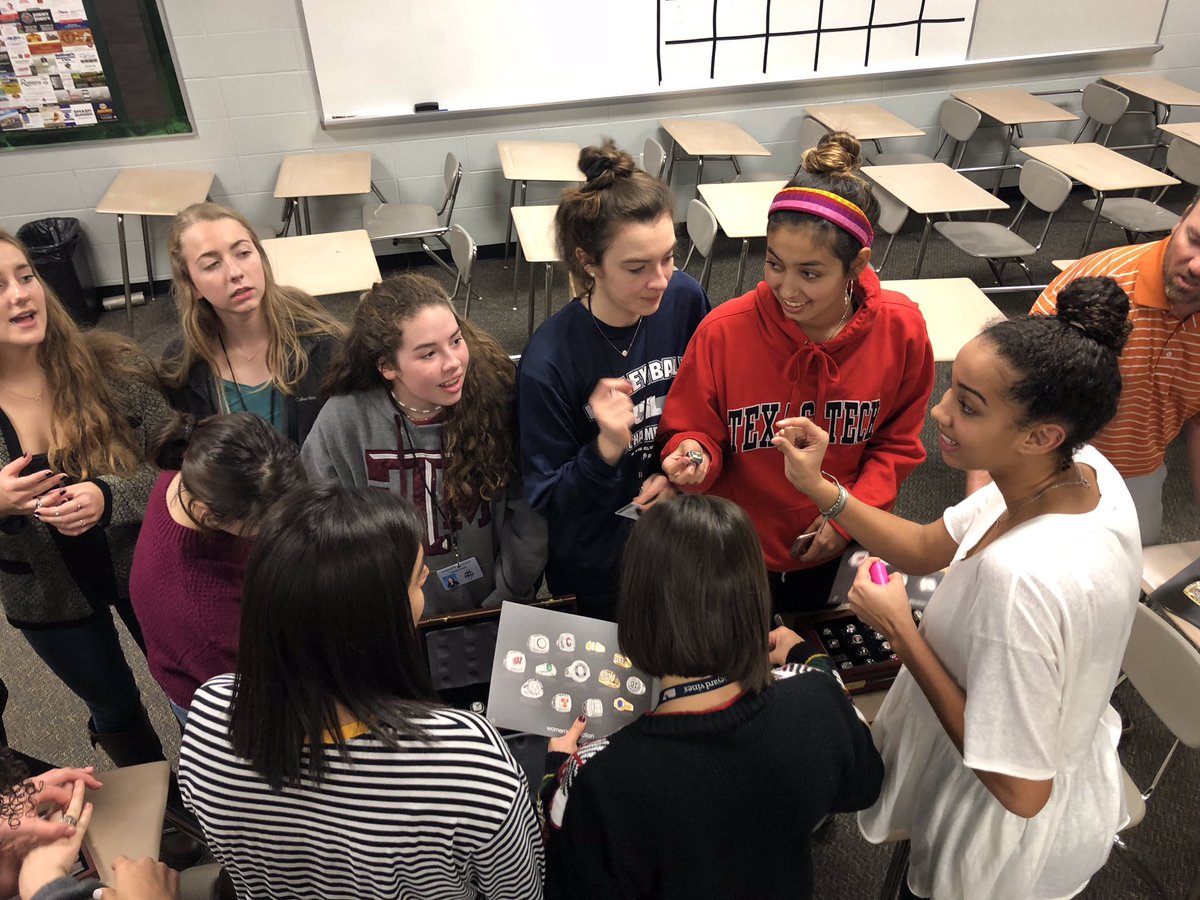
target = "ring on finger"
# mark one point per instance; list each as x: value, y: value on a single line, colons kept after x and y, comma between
x: 78, y: 506
x: 37, y: 503
x: 70, y: 820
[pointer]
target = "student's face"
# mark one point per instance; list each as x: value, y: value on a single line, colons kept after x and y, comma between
x: 977, y: 423
x: 430, y: 368
x: 808, y: 281
x: 635, y: 271
x: 416, y: 593
x: 1181, y: 266
x: 22, y: 300
x: 225, y: 267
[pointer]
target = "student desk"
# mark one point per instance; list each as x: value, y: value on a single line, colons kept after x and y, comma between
x: 527, y: 161
x: 866, y: 121
x: 930, y: 189
x: 1189, y: 131
x: 1012, y: 108
x: 1162, y: 561
x: 1101, y: 169
x: 149, y: 192
x: 699, y: 138
x: 336, y: 262
x: 536, y: 240
x: 304, y: 175
x: 741, y: 210
x: 955, y: 311
x: 1159, y: 91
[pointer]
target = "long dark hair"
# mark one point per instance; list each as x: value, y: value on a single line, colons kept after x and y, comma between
x: 694, y: 598
x: 326, y: 623
x: 478, y: 432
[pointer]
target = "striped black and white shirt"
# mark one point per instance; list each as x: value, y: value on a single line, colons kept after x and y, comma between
x: 447, y: 817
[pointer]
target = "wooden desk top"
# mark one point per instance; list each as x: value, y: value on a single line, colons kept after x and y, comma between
x: 323, y: 174
x: 1160, y: 563
x: 154, y: 192
x: 127, y: 814
x: 1189, y: 131
x: 539, y: 161
x: 1099, y: 167
x: 741, y: 207
x: 955, y: 311
x: 1157, y: 89
x: 535, y: 231
x: 335, y: 262
x: 866, y: 121
x: 712, y: 137
x: 1010, y: 106
x: 928, y: 188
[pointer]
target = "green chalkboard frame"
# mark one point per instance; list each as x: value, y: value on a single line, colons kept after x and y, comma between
x: 146, y: 94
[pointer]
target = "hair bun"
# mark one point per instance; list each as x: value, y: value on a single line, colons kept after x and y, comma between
x: 838, y: 153
x: 604, y: 164
x: 1099, y: 308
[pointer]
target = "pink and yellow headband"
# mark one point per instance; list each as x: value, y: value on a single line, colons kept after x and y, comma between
x: 825, y: 205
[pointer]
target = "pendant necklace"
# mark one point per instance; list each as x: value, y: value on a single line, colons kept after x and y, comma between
x: 1079, y: 480
x: 599, y: 331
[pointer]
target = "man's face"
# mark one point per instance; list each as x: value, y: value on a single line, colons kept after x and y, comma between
x: 1181, y: 265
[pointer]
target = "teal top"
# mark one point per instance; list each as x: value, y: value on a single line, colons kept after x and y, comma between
x: 260, y: 399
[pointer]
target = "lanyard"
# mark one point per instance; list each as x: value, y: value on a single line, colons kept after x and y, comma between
x: 691, y: 688
x: 409, y: 446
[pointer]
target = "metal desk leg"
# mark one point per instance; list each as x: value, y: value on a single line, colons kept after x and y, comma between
x: 512, y: 201
x: 671, y: 161
x: 921, y: 247
x: 699, y: 170
x: 149, y: 259
x: 530, y: 324
x: 737, y: 168
x: 517, y: 271
x: 742, y: 265
x: 307, y: 218
x: 1087, y: 238
x: 549, y: 281
x: 125, y: 271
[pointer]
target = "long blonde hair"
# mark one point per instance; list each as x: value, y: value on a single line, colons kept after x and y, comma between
x: 89, y: 435
x: 291, y: 313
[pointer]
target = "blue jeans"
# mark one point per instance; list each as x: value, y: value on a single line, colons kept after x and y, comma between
x: 180, y: 713
x: 87, y: 658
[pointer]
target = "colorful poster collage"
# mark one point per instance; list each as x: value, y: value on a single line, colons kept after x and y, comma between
x: 50, y: 71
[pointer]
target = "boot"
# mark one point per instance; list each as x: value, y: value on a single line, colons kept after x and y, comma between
x: 139, y: 744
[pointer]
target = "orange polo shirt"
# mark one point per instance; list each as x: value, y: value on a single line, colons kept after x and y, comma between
x: 1160, y: 365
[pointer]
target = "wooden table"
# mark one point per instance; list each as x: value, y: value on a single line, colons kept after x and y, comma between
x: 536, y: 240
x: 1012, y: 108
x: 149, y: 192
x: 1160, y: 563
x: 1101, y: 169
x: 698, y: 138
x: 741, y: 209
x: 304, y: 175
x: 1157, y: 90
x: 955, y: 311
x: 335, y: 262
x: 526, y: 161
x: 866, y: 121
x: 1189, y: 131
x: 930, y: 189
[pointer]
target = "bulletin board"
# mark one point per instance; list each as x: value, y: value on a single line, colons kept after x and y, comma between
x: 81, y: 70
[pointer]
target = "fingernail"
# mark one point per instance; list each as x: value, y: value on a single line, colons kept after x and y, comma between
x: 47, y: 474
x: 581, y: 719
x: 62, y: 491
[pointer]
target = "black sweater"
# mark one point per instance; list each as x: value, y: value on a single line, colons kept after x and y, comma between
x: 714, y: 804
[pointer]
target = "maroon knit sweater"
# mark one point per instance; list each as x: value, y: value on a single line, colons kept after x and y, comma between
x: 186, y: 588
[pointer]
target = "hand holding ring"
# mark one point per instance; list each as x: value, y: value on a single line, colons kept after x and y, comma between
x: 70, y: 820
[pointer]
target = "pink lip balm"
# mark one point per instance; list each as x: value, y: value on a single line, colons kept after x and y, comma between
x: 879, y: 572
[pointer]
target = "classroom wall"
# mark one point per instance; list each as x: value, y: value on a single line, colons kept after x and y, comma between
x: 250, y: 86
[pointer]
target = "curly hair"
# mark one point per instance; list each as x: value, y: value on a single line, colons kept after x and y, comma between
x: 15, y: 789
x: 290, y: 312
x: 478, y: 431
x: 88, y: 434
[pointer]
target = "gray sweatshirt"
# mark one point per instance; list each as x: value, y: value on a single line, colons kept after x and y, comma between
x: 361, y: 439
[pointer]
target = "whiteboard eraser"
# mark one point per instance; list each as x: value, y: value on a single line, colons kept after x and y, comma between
x: 429, y: 106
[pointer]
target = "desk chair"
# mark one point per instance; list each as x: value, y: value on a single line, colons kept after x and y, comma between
x: 1136, y: 215
x: 702, y: 231
x: 1102, y: 108
x: 463, y: 252
x: 654, y: 157
x: 1042, y: 186
x: 1165, y: 669
x: 892, y: 215
x: 403, y: 222
x: 957, y: 120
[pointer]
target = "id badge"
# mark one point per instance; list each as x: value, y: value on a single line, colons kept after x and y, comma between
x: 460, y: 573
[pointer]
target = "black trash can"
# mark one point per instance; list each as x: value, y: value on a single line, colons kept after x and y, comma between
x: 55, y: 251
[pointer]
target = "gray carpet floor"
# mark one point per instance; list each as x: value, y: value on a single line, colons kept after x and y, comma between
x: 45, y: 720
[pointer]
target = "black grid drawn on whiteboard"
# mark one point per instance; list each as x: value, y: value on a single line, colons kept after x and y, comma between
x: 715, y: 39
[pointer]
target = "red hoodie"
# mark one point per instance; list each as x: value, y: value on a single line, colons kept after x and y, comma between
x: 748, y: 366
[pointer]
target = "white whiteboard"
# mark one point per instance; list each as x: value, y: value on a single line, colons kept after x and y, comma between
x: 1020, y: 27
x: 377, y: 59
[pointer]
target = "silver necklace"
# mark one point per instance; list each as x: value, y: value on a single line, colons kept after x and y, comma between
x: 599, y: 331
x: 412, y: 409
x: 1079, y: 480
x: 35, y: 397
x: 842, y: 321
